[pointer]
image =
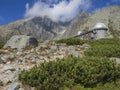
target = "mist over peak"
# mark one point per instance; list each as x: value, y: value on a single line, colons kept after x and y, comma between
x: 57, y: 10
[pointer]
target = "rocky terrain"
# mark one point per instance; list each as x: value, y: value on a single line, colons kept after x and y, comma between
x: 12, y: 61
x: 46, y: 29
x: 108, y: 15
x: 40, y: 28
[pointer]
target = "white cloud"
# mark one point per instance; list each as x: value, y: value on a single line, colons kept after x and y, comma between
x: 62, y: 11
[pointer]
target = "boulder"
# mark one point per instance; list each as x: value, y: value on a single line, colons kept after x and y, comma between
x: 21, y: 41
x: 6, y: 68
x: 14, y: 86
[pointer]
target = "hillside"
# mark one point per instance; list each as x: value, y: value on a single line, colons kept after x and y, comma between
x: 56, y: 66
x: 40, y: 28
x: 46, y: 29
x: 110, y: 16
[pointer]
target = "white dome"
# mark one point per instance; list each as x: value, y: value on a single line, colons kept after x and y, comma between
x: 79, y: 32
x: 100, y: 26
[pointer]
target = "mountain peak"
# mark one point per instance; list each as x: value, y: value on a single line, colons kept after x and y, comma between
x: 45, y: 29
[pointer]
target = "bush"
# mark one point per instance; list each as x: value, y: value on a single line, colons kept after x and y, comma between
x: 104, y: 51
x: 71, y: 41
x: 2, y: 43
x: 52, y: 75
x: 56, y: 75
x: 105, y: 41
x: 104, y: 48
x: 107, y: 86
x: 93, y: 70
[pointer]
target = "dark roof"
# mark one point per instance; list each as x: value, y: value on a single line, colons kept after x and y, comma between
x: 90, y: 31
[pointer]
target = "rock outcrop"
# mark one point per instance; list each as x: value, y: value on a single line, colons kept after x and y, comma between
x: 13, y: 61
x: 38, y: 27
x: 20, y: 42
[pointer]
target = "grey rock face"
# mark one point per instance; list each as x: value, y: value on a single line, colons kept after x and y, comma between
x: 38, y: 27
x: 21, y: 41
x: 11, y: 68
x: 14, y: 86
x: 75, y: 23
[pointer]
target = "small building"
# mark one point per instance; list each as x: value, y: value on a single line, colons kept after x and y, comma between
x: 100, y: 30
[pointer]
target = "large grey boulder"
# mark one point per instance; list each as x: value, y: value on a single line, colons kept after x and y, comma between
x: 21, y: 41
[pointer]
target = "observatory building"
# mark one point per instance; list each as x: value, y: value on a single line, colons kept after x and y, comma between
x: 100, y: 30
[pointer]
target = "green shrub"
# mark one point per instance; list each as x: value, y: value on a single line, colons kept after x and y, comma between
x: 56, y: 75
x: 104, y: 48
x: 107, y: 86
x: 2, y: 43
x: 71, y: 41
x: 93, y: 70
x: 49, y: 75
x: 108, y: 41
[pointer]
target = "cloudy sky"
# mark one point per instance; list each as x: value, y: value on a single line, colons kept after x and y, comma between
x: 57, y: 10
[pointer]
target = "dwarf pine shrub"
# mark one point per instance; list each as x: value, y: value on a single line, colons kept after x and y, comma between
x: 2, y: 43
x: 71, y: 41
x: 67, y: 72
x: 104, y: 48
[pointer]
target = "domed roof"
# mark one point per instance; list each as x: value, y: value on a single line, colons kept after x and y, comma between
x: 79, y: 32
x: 100, y: 26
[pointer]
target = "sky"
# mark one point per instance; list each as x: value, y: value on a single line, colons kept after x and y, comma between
x: 57, y: 10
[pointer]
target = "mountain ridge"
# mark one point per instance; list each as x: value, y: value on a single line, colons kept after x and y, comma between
x: 45, y: 29
x: 109, y: 16
x: 36, y: 26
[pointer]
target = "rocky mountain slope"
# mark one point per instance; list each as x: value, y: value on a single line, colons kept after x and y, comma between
x: 12, y: 61
x: 45, y: 29
x: 75, y: 23
x: 38, y: 27
x: 110, y: 16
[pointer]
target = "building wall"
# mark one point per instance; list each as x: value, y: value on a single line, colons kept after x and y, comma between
x: 100, y: 34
